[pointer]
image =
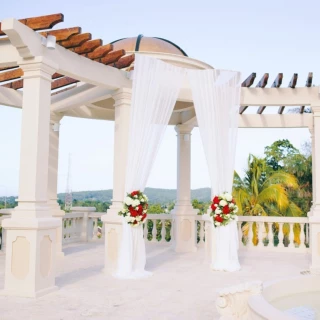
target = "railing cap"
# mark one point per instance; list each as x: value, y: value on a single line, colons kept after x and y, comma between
x: 84, y: 209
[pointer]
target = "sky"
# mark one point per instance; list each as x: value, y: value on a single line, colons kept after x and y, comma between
x: 249, y: 36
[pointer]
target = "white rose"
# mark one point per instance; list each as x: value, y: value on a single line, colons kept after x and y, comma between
x: 218, y: 211
x: 128, y: 201
x: 222, y: 196
x: 138, y: 218
x: 217, y: 223
x: 231, y: 205
x: 142, y: 200
x: 144, y: 211
x: 135, y: 196
x: 228, y: 197
x: 128, y: 218
x: 223, y: 203
x: 135, y: 203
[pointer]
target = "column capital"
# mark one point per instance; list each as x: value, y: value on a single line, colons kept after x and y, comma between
x: 315, y: 108
x: 122, y: 97
x: 55, y: 117
x: 38, y: 67
x: 183, y: 128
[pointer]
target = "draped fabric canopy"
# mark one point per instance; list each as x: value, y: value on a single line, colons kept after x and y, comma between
x: 216, y: 96
x: 155, y: 91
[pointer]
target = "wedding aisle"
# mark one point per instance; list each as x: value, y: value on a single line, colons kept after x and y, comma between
x: 182, y: 287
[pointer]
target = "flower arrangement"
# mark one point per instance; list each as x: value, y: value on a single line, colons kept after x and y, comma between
x: 224, y: 209
x: 135, y: 208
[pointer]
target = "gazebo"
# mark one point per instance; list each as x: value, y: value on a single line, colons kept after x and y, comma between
x: 52, y: 74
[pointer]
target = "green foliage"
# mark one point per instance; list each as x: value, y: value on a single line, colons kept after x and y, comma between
x: 200, y: 205
x: 262, y: 194
x: 278, y: 152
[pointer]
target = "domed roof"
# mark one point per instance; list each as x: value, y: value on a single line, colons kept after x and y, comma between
x: 147, y: 44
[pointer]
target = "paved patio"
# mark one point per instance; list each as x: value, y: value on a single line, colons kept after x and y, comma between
x: 182, y: 286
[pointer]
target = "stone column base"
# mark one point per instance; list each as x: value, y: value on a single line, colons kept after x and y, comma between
x: 184, y: 229
x: 113, y: 232
x: 59, y: 214
x: 30, y: 256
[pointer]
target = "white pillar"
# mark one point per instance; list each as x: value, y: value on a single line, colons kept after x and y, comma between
x: 31, y: 231
x: 53, y: 177
x: 112, y: 221
x: 185, y: 232
x: 314, y: 215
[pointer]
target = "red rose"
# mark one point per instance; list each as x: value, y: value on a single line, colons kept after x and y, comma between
x: 216, y: 200
x: 140, y: 209
x: 226, y: 209
x: 134, y: 193
x: 144, y: 216
x: 218, y: 219
x: 233, y: 201
x: 213, y: 207
x: 133, y: 212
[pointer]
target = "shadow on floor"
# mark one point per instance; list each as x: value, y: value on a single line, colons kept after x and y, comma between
x: 77, y: 275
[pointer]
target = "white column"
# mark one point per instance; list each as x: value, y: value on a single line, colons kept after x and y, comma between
x: 31, y: 231
x: 314, y: 215
x: 53, y: 177
x: 112, y: 221
x: 184, y: 214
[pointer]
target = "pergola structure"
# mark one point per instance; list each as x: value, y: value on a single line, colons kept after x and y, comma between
x: 83, y: 78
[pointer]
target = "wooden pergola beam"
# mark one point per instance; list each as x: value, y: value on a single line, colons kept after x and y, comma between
x: 62, y: 34
x: 112, y: 57
x: 40, y: 23
x: 247, y: 83
x: 292, y: 85
x: 261, y: 84
x: 76, y: 40
x: 308, y: 85
x: 124, y: 62
x: 100, y: 51
x: 87, y: 47
x: 276, y: 84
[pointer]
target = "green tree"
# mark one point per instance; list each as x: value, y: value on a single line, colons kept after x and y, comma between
x: 278, y: 152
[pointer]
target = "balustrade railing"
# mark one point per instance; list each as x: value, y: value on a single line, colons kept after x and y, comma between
x: 83, y: 224
x: 274, y: 233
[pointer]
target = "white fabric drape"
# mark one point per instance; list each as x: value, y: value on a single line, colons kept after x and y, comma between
x: 216, y: 96
x: 155, y: 91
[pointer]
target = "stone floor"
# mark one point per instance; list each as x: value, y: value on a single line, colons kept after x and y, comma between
x: 182, y: 286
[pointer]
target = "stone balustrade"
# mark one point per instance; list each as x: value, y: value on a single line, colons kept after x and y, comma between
x: 83, y: 224
x: 274, y: 233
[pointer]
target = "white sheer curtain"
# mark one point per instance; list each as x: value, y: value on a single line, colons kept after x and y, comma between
x: 216, y: 96
x: 155, y: 91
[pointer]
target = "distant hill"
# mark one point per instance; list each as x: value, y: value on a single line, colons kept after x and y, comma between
x: 155, y: 195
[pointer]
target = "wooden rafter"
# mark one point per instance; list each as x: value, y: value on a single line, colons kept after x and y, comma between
x: 87, y: 47
x: 276, y: 84
x: 71, y: 39
x: 247, y: 83
x: 292, y: 85
x: 40, y: 23
x: 76, y: 40
x: 308, y: 85
x: 100, y: 51
x: 261, y: 84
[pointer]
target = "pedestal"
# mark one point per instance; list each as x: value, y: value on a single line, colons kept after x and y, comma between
x: 30, y: 256
x: 185, y: 229
x: 314, y: 222
x: 113, y: 232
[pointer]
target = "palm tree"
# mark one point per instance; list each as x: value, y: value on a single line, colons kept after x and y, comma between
x: 260, y: 194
